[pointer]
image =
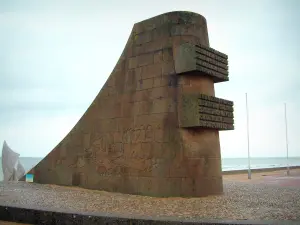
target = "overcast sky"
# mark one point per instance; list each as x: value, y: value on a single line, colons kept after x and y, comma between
x: 55, y: 56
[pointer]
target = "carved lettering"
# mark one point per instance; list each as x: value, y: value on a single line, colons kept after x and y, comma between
x: 212, y: 73
x: 215, y: 112
x: 212, y: 118
x: 140, y: 154
x: 211, y: 52
x: 103, y: 146
x: 191, y: 58
x: 212, y: 61
x: 199, y: 110
x: 214, y: 105
x: 115, y: 172
x: 115, y: 148
x: 138, y: 134
x: 212, y: 67
x: 214, y: 99
x: 211, y: 55
x: 216, y: 125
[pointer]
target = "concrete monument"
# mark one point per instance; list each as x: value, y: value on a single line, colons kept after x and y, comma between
x: 153, y: 129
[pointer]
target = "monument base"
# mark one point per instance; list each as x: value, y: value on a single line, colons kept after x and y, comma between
x: 51, y: 204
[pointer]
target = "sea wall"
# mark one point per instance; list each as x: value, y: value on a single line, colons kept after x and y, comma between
x: 48, y: 217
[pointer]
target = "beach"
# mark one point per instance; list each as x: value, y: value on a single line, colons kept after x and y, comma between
x: 267, y: 196
x: 229, y: 165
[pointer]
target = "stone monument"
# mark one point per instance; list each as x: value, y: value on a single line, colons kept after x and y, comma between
x: 153, y: 129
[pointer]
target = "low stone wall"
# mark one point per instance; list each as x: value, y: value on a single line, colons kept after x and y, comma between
x: 40, y: 216
x: 258, y: 170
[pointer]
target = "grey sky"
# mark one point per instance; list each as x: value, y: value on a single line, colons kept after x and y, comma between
x: 56, y: 55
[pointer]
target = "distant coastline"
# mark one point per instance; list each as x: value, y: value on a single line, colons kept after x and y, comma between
x: 229, y: 165
x: 260, y: 170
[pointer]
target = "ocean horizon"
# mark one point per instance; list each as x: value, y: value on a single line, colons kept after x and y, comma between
x: 228, y: 164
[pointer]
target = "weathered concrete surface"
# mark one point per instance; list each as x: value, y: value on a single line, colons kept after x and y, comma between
x: 129, y: 140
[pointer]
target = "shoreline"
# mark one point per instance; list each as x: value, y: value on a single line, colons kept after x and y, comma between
x: 253, y: 171
x: 259, y: 170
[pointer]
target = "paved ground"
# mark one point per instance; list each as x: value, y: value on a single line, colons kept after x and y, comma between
x: 276, y: 178
x: 10, y: 223
x: 267, y: 196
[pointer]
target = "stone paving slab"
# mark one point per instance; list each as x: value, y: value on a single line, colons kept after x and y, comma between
x: 268, y: 196
x: 274, y: 178
x: 12, y: 223
x: 241, y: 201
x: 40, y: 216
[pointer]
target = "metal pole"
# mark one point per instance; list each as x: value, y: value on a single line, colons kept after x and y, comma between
x: 249, y: 169
x: 2, y: 188
x: 287, y: 143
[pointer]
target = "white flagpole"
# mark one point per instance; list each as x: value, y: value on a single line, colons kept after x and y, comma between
x: 286, y: 141
x: 249, y: 167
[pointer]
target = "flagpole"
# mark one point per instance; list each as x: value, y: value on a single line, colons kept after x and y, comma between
x: 286, y: 141
x: 249, y: 167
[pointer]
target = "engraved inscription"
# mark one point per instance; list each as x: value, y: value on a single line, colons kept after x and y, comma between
x: 214, y: 99
x: 212, y: 67
x: 212, y: 118
x: 211, y: 50
x: 199, y: 110
x: 131, y: 156
x: 190, y: 58
x: 215, y: 112
x: 138, y: 134
x: 214, y: 105
x: 212, y: 61
x: 211, y: 55
x: 212, y: 73
x: 216, y: 125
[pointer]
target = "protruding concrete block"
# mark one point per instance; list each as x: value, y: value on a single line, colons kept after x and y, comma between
x: 199, y: 110
x: 191, y: 58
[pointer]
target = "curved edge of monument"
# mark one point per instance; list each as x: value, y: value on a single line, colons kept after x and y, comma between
x: 47, y: 216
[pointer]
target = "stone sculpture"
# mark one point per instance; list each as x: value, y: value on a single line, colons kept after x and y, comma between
x: 154, y: 127
x: 11, y: 166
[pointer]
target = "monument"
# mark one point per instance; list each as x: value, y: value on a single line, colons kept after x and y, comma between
x: 12, y: 168
x: 153, y: 129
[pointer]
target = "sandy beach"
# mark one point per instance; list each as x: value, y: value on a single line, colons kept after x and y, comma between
x: 267, y: 196
x: 260, y: 175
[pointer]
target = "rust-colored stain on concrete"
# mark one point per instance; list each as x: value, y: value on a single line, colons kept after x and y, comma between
x: 130, y: 139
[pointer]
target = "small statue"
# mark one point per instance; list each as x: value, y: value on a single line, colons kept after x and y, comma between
x: 11, y: 166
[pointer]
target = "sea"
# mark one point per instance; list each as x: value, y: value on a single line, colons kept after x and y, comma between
x: 228, y: 164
